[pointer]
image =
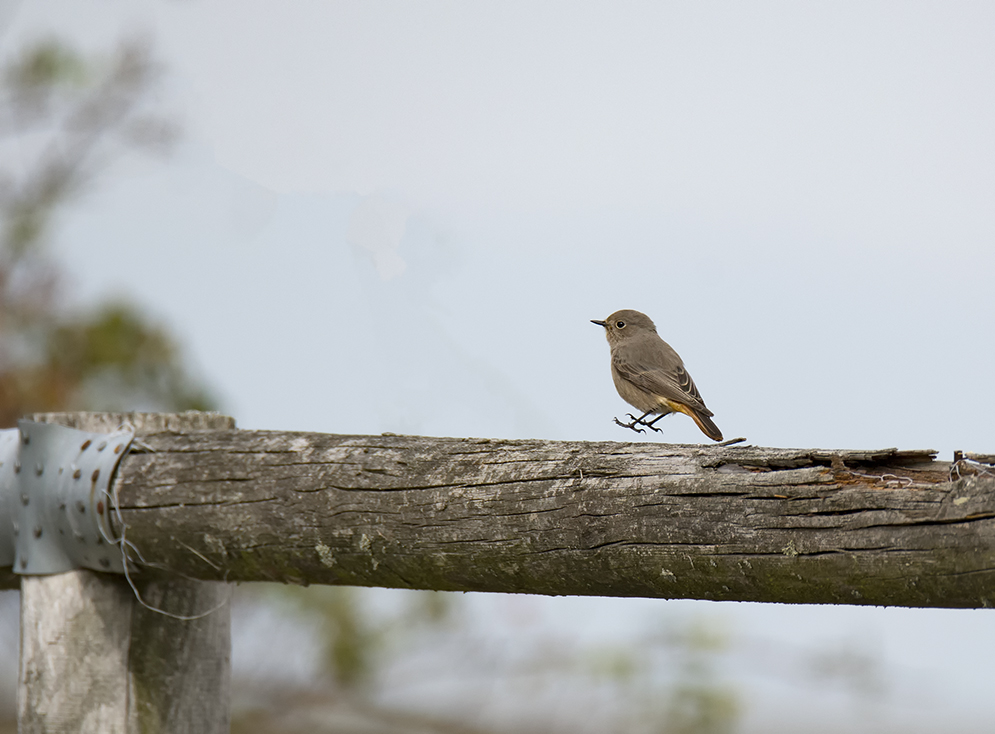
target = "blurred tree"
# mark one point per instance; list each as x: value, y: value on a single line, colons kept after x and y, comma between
x: 63, y: 119
x: 699, y: 703
x: 354, y: 639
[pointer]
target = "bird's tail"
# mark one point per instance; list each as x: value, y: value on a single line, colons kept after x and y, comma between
x: 703, y: 421
x: 707, y: 426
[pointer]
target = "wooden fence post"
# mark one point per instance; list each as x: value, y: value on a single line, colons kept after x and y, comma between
x: 95, y: 659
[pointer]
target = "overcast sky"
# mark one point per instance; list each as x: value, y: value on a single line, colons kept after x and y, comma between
x: 400, y: 216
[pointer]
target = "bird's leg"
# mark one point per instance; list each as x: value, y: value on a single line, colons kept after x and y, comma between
x: 640, y: 421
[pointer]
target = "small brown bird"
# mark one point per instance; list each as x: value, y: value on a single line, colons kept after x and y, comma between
x: 650, y: 376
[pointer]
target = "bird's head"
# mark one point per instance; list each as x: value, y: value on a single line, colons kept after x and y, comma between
x: 625, y: 324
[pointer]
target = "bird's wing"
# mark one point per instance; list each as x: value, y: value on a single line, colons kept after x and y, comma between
x: 671, y: 381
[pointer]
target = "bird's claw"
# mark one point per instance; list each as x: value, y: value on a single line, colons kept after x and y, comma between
x: 638, y: 422
x: 651, y: 426
x: 635, y: 422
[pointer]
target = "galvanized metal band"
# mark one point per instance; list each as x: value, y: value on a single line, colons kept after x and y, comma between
x: 55, y: 498
x: 10, y: 440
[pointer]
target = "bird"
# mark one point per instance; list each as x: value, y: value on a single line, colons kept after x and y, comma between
x: 650, y: 376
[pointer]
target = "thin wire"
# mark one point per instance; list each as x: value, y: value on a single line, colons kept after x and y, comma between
x: 181, y: 617
x: 126, y: 545
x: 886, y: 478
x: 976, y: 469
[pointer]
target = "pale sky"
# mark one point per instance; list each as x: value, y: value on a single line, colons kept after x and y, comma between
x: 400, y: 216
x: 799, y: 195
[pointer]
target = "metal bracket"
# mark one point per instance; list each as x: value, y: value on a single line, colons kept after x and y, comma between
x: 55, y: 500
x: 10, y: 438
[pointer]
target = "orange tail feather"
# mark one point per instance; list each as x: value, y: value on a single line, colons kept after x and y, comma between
x: 703, y: 422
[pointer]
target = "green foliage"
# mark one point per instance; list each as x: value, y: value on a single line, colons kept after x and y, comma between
x: 702, y: 709
x: 47, y: 64
x: 121, y: 360
x: 351, y: 636
x: 348, y: 641
x: 699, y: 703
x: 619, y: 664
x: 689, y: 698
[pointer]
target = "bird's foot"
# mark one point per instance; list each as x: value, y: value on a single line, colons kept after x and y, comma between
x: 636, y: 422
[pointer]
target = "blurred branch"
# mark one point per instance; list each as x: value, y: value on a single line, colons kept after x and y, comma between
x: 81, y: 114
x: 64, y: 119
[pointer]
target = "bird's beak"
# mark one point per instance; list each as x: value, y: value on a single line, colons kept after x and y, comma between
x: 599, y: 323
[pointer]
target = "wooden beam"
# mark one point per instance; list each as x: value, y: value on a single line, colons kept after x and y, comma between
x: 883, y: 527
x: 737, y: 523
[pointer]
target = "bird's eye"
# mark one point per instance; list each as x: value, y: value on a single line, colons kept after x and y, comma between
x: 620, y: 324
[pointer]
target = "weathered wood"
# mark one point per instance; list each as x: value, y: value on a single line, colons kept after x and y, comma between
x: 74, y: 647
x: 980, y: 458
x: 741, y: 523
x: 94, y: 659
x: 620, y: 519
